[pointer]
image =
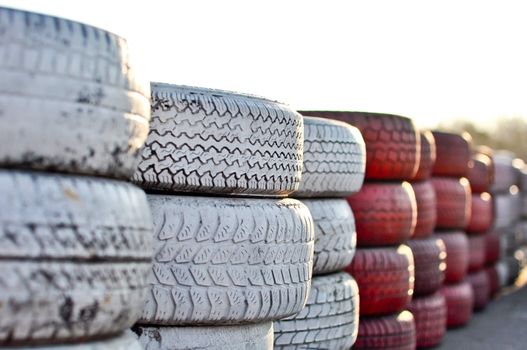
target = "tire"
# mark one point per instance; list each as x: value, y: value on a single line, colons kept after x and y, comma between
x: 430, y: 319
x: 213, y: 141
x: 480, y: 173
x: 457, y: 255
x: 335, y: 235
x: 492, y: 247
x: 392, y: 332
x: 513, y: 269
x: 507, y: 209
x: 69, y: 97
x: 509, y: 242
x: 505, y: 175
x: 257, y: 336
x: 494, y: 280
x: 480, y: 285
x: 428, y: 156
x: 125, y: 341
x: 452, y: 154
x: 453, y: 202
x: 392, y: 142
x: 425, y: 198
x: 476, y: 253
x: 385, y: 213
x: 334, y: 159
x: 330, y: 319
x: 459, y: 302
x: 482, y: 213
x: 430, y: 264
x: 228, y: 260
x: 385, y: 277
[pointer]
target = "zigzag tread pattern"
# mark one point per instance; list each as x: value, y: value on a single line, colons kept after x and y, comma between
x: 228, y: 260
x: 395, y: 332
x: 430, y: 264
x: 453, y: 202
x: 430, y: 319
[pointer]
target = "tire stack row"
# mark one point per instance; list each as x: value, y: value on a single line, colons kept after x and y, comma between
x: 75, y: 235
x: 231, y: 255
x: 385, y: 215
x: 453, y: 213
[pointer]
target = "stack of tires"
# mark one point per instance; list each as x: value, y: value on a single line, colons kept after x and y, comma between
x: 453, y: 213
x: 428, y: 305
x: 385, y: 216
x: 231, y: 255
x: 75, y: 235
x: 334, y: 165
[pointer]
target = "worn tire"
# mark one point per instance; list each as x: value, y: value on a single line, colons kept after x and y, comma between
x: 480, y: 285
x: 213, y: 141
x: 480, y: 173
x: 430, y: 264
x: 392, y: 332
x: 481, y: 214
x: 492, y: 247
x: 425, y: 198
x: 494, y: 280
x: 428, y: 156
x: 392, y: 142
x: 125, y: 341
x: 476, y: 252
x: 459, y: 303
x: 258, y: 336
x: 334, y: 159
x: 330, y: 319
x: 385, y: 213
x: 335, y: 235
x: 385, y: 277
x: 452, y: 154
x: 457, y: 255
x: 505, y: 175
x: 70, y: 100
x: 507, y: 208
x: 228, y: 260
x: 453, y: 202
x: 430, y: 319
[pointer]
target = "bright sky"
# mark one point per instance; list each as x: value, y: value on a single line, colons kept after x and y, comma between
x: 429, y: 60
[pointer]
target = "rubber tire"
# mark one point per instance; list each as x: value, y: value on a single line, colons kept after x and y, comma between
x: 330, y: 319
x: 452, y: 154
x: 425, y: 198
x: 69, y: 96
x: 258, y: 336
x: 428, y: 156
x: 385, y: 213
x: 392, y: 142
x: 392, y: 332
x: 228, y: 260
x: 505, y: 175
x: 125, y: 341
x: 480, y: 284
x: 494, y: 280
x: 457, y: 255
x: 334, y: 159
x: 480, y: 173
x: 213, y: 141
x: 459, y: 303
x: 481, y: 214
x: 430, y: 319
x: 476, y: 252
x: 453, y: 202
x: 510, y: 240
x: 385, y: 277
x: 492, y: 247
x: 335, y: 234
x: 430, y: 264
x: 507, y: 209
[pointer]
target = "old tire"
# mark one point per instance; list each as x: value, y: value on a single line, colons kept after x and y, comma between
x: 392, y: 332
x: 457, y: 255
x: 430, y: 264
x: 334, y: 159
x: 507, y: 209
x: 482, y: 213
x: 392, y: 144
x: 453, y: 202
x: 335, y: 235
x: 425, y: 199
x: 125, y: 341
x: 330, y: 319
x: 452, y: 154
x: 505, y: 175
x: 228, y: 260
x: 480, y: 173
x: 492, y: 247
x: 430, y: 319
x: 213, y: 141
x: 69, y: 96
x: 480, y: 285
x: 459, y: 302
x: 385, y: 213
x: 428, y: 156
x: 476, y: 252
x: 494, y: 280
x: 385, y: 277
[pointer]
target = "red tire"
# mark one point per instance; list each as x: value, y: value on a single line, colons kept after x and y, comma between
x: 494, y: 280
x: 385, y: 277
x: 479, y: 281
x: 430, y: 264
x: 457, y: 256
x: 392, y: 142
x: 452, y: 154
x: 492, y: 247
x: 482, y: 213
x: 480, y: 173
x: 430, y: 319
x: 476, y: 252
x: 453, y: 202
x: 428, y: 156
x: 425, y: 198
x: 459, y: 303
x: 385, y: 213
x: 393, y: 332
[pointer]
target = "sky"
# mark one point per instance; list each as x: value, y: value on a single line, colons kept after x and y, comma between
x: 433, y: 61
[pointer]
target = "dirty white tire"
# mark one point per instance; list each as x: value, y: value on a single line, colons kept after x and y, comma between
x: 505, y: 174
x: 334, y: 159
x: 228, y: 260
x: 70, y: 99
x: 507, y: 208
x: 214, y: 141
x: 330, y: 319
x: 335, y: 234
x: 257, y: 336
